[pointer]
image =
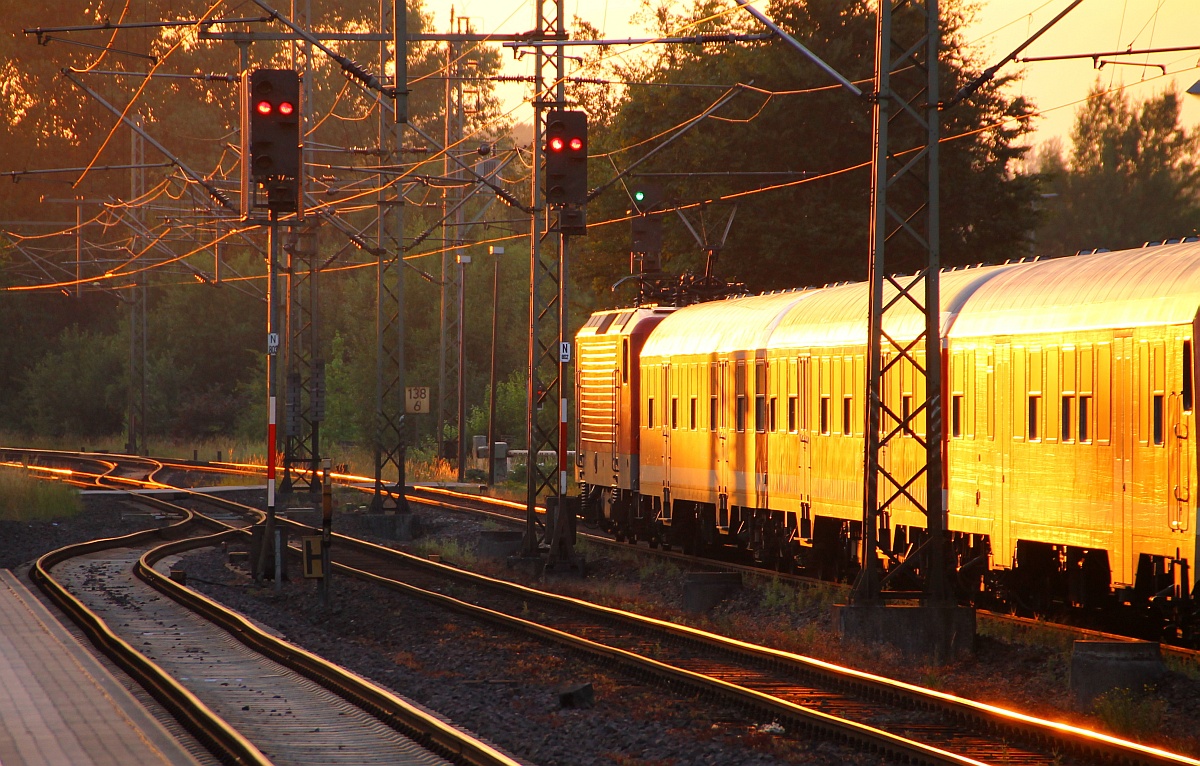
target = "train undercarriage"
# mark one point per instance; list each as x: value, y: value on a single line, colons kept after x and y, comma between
x: 1044, y: 580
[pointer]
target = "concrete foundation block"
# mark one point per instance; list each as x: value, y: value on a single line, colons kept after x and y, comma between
x: 500, y: 543
x: 381, y: 524
x: 309, y: 517
x: 392, y: 526
x: 1101, y: 666
x: 936, y: 634
x: 577, y: 696
x: 704, y: 590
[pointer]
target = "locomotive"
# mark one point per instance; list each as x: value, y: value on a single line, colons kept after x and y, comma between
x: 1068, y: 401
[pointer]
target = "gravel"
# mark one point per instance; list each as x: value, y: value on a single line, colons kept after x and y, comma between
x: 506, y: 688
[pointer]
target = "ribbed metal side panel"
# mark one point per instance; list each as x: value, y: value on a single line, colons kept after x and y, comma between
x: 597, y: 404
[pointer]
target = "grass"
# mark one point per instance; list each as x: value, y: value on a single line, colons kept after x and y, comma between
x: 1129, y: 713
x: 24, y: 497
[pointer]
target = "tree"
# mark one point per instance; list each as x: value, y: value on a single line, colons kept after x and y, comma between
x: 1132, y: 177
x: 794, y: 230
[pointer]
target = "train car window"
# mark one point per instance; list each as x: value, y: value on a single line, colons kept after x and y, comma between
x: 1158, y: 419
x: 1085, y: 412
x: 739, y: 392
x: 1102, y: 392
x: 906, y: 405
x: 1036, y: 384
x: 1019, y: 392
x: 792, y: 414
x: 803, y: 380
x: 972, y: 400
x: 760, y: 397
x: 625, y: 361
x: 674, y: 412
x: 956, y: 412
x: 771, y: 412
x: 1068, y: 415
x: 1187, y: 375
x: 825, y: 415
x: 990, y: 397
x: 1142, y: 389
x: 605, y: 323
x: 650, y: 412
x: 712, y: 396
x: 692, y: 413
x: 847, y: 416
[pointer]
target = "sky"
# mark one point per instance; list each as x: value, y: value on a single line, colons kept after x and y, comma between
x: 1057, y: 87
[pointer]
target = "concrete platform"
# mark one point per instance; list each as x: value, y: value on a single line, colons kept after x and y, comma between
x: 59, y: 705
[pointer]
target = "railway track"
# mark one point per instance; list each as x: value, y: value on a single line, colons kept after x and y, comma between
x: 918, y: 725
x: 514, y: 513
x: 901, y: 720
x: 251, y: 698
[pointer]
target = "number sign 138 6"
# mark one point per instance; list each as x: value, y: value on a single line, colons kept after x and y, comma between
x: 416, y: 399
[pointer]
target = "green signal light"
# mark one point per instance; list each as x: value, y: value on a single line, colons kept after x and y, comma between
x: 639, y: 196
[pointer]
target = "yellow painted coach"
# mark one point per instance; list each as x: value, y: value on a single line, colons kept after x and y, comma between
x: 1068, y: 427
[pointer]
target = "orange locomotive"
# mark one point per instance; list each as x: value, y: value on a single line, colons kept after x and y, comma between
x: 1069, y: 426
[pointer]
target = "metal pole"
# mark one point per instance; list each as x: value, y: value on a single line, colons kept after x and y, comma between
x: 326, y: 533
x: 272, y: 372
x: 496, y: 252
x: 462, y: 369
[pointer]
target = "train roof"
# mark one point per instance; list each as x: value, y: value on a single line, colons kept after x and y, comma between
x: 735, y: 324
x: 1156, y: 285
x: 619, y: 322
x: 837, y: 316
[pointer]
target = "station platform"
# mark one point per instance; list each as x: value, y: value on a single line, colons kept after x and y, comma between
x: 59, y: 705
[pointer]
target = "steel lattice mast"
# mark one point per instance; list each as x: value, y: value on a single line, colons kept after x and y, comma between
x: 904, y: 235
x: 390, y: 443
x: 545, y: 382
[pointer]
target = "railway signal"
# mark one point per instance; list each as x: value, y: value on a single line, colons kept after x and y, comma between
x: 271, y: 140
x: 566, y: 158
x: 646, y: 225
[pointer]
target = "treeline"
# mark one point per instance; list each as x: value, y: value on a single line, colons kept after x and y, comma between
x: 1129, y: 175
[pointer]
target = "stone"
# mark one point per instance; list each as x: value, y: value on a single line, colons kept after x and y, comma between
x: 577, y: 696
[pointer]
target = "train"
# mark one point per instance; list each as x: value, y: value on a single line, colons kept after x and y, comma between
x: 1068, y: 401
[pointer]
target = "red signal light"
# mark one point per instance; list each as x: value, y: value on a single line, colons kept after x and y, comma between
x: 557, y: 144
x: 286, y: 108
x: 576, y: 144
x: 263, y: 107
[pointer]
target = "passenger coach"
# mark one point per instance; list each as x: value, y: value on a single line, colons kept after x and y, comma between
x: 1068, y: 412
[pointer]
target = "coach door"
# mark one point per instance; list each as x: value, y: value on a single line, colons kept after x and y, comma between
x: 1122, y: 436
x: 669, y: 421
x: 802, y: 414
x: 1001, y: 400
x: 1179, y: 443
x: 723, y: 428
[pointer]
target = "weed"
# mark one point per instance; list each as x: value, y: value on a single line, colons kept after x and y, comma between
x: 449, y: 550
x: 25, y: 497
x: 1129, y: 713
